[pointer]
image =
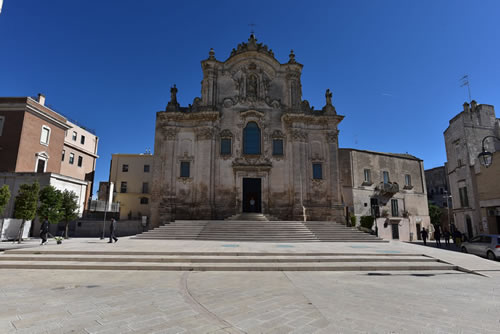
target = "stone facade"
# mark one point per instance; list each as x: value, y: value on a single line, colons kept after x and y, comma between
x: 463, y: 140
x: 489, y: 195
x: 387, y: 186
x: 249, y: 136
x: 438, y: 193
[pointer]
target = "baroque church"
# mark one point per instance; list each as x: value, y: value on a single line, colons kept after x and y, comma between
x: 250, y: 143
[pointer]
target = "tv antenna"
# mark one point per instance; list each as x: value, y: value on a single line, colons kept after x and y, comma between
x: 465, y: 82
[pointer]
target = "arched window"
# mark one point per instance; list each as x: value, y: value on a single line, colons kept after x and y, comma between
x: 251, y: 139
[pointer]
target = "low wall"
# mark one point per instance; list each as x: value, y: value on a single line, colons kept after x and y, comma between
x: 93, y: 228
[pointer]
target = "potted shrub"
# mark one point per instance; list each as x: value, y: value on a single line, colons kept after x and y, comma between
x: 58, y: 240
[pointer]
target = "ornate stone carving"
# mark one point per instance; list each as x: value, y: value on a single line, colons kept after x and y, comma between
x: 298, y: 135
x: 252, y: 45
x: 317, y: 183
x: 252, y: 162
x: 226, y: 133
x: 169, y: 133
x: 277, y: 134
x: 173, y: 105
x: 204, y: 133
x: 332, y: 136
x: 201, y: 116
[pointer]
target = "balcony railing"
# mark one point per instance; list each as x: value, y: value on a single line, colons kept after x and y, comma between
x: 389, y: 188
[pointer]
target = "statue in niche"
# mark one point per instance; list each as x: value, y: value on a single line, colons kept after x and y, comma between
x: 328, y: 96
x: 252, y: 86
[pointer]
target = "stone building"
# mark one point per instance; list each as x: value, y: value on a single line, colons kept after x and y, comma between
x: 488, y: 185
x: 250, y: 143
x: 37, y: 143
x: 463, y: 141
x: 131, y: 175
x: 388, y: 186
x: 438, y: 193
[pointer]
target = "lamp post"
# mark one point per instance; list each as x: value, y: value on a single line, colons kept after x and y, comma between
x: 448, y: 205
x: 485, y: 157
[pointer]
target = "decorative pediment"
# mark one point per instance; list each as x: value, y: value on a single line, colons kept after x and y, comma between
x: 252, y: 113
x: 42, y: 154
x: 204, y: 133
x: 277, y: 134
x: 226, y: 133
x: 248, y: 162
x: 252, y: 45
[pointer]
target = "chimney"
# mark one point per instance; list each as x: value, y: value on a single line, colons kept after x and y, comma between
x: 473, y: 105
x: 41, y: 99
x: 466, y: 107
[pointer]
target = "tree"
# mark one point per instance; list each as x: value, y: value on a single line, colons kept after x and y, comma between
x: 435, y: 214
x: 25, y: 205
x: 69, y: 209
x: 50, y: 204
x: 4, y: 197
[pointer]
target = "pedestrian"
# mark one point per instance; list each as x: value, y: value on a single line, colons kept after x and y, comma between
x: 446, y: 235
x: 424, y: 234
x: 44, y: 230
x: 457, y: 236
x: 437, y: 236
x: 112, y: 229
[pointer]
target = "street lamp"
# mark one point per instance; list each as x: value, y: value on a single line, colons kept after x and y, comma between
x: 485, y: 157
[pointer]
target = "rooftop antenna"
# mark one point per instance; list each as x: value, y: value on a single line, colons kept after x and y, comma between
x: 465, y: 82
x: 252, y: 28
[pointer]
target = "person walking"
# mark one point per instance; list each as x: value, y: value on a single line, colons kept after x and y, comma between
x: 44, y: 230
x: 424, y: 234
x: 457, y: 236
x: 112, y: 229
x: 446, y: 235
x: 437, y: 236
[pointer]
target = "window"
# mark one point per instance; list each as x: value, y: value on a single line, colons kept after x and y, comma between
x: 80, y: 161
x: 82, y: 140
x: 441, y: 191
x: 145, y: 188
x: 368, y: 176
x: 2, y: 121
x: 124, y: 168
x: 394, y: 208
x: 317, y: 172
x: 74, y: 136
x: 45, y: 136
x: 225, y: 146
x: 123, y: 187
x: 251, y: 139
x: 63, y: 154
x: 144, y: 200
x: 146, y: 168
x: 40, y: 165
x: 71, y: 158
x: 185, y: 168
x: 277, y: 146
x: 408, y: 180
x: 464, y: 200
x: 386, y: 177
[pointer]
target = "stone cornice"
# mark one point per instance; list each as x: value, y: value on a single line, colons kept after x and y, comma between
x: 289, y: 118
x: 188, y: 116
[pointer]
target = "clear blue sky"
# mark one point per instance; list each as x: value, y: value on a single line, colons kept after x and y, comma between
x: 393, y: 66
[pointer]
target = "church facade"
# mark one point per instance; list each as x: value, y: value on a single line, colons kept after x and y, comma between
x: 250, y: 143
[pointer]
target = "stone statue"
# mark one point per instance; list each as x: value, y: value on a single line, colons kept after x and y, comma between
x: 173, y: 94
x: 328, y: 96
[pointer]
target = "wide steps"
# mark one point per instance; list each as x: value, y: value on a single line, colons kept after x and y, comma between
x: 216, y: 261
x: 257, y: 230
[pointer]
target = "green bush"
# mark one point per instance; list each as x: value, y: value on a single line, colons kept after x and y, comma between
x: 367, y: 221
x: 353, y: 220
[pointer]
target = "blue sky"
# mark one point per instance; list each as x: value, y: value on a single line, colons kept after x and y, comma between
x: 393, y: 66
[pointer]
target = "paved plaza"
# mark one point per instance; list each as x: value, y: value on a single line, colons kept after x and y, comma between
x: 124, y: 301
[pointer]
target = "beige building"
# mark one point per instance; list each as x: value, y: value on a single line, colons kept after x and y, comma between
x: 463, y: 140
x: 250, y: 143
x: 488, y: 185
x: 131, y: 175
x: 390, y: 187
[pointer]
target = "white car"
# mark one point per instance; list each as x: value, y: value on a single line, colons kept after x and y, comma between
x: 487, y: 245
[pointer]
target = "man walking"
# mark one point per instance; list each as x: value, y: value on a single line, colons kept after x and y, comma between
x: 437, y: 236
x: 425, y: 234
x: 44, y: 230
x: 112, y: 228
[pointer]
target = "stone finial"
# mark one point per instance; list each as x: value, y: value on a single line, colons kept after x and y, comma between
x: 172, y: 104
x: 466, y: 107
x: 473, y: 105
x: 328, y: 96
x: 291, y: 59
x: 211, y: 54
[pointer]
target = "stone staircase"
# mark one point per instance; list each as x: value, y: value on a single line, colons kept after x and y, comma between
x: 216, y: 261
x: 258, y: 230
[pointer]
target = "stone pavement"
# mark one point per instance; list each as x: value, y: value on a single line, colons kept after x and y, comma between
x: 100, y: 301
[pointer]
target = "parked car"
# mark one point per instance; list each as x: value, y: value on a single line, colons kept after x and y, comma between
x: 487, y: 245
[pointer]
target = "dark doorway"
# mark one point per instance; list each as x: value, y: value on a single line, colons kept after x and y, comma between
x: 375, y: 207
x: 469, y: 227
x: 251, y: 195
x: 419, y: 230
x: 395, y: 231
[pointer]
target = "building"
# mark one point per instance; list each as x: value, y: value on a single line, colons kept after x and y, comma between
x: 36, y: 139
x: 131, y: 175
x: 463, y: 140
x: 387, y: 186
x: 250, y: 143
x: 436, y: 180
x: 488, y: 181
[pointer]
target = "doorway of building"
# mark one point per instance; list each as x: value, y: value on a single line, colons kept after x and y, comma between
x: 252, y: 195
x: 395, y: 231
x: 374, y: 207
x: 469, y: 227
x: 419, y: 230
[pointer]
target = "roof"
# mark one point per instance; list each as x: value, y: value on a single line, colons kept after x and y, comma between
x: 396, y: 155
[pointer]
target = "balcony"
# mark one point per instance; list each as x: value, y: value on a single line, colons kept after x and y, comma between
x: 388, y: 189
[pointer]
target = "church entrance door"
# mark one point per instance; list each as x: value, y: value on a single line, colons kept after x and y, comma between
x: 252, y: 195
